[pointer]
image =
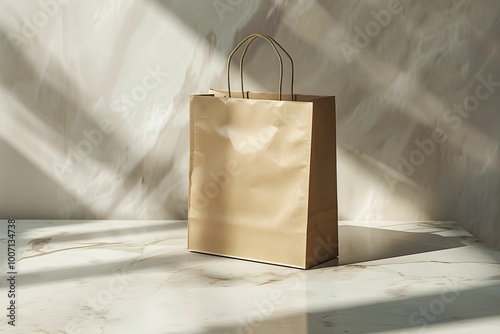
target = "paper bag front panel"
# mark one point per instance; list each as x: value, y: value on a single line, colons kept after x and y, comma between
x: 249, y: 178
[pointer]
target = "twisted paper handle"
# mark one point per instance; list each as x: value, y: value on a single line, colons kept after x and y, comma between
x: 273, y: 43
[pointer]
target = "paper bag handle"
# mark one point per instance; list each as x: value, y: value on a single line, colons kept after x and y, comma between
x: 292, y: 72
x: 273, y: 44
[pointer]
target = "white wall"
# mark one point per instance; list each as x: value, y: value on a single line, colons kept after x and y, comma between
x: 66, y: 71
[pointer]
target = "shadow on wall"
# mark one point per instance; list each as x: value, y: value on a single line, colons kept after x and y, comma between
x: 422, y: 156
x: 52, y: 102
x: 25, y: 188
x: 374, y: 90
x: 381, y: 166
x: 483, y: 178
x: 50, y: 99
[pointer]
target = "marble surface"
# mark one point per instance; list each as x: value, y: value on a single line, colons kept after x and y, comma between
x: 94, y: 102
x: 137, y: 277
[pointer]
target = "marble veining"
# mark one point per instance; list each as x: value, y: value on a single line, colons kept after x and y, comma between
x: 138, y: 277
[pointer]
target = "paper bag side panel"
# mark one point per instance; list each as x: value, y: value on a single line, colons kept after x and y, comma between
x: 322, y: 242
x: 192, y: 106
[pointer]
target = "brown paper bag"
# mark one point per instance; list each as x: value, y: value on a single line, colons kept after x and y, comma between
x: 262, y: 177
